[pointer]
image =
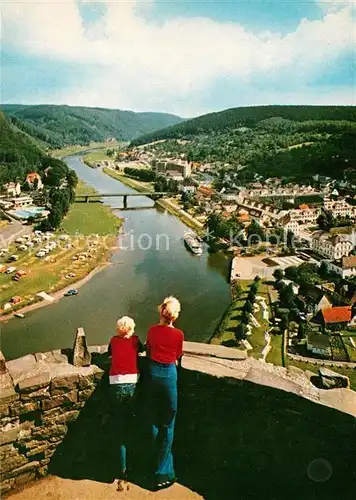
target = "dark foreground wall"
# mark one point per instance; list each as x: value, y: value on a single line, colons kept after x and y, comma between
x: 40, y: 396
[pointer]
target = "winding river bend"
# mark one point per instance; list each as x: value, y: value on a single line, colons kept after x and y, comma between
x: 134, y: 284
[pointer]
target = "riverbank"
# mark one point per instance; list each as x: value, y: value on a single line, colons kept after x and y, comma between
x: 140, y: 186
x: 165, y: 203
x: 91, y: 233
x: 56, y: 296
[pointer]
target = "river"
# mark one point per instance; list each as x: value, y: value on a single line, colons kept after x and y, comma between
x: 133, y: 285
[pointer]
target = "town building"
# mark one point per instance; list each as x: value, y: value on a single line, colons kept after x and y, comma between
x: 340, y: 208
x: 163, y: 167
x: 336, y: 318
x: 21, y: 202
x: 346, y: 266
x: 304, y: 214
x: 333, y: 247
x: 289, y: 224
x: 33, y: 179
x: 12, y: 189
x: 187, y: 189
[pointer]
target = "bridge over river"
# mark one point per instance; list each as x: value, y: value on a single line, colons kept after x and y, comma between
x: 94, y: 197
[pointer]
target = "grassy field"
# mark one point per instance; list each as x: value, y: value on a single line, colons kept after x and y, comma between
x: 90, y: 218
x: 95, y: 156
x: 48, y: 274
x: 70, y: 150
x: 133, y: 183
x: 226, y: 331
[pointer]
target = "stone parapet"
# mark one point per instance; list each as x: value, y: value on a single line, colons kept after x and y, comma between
x: 43, y: 394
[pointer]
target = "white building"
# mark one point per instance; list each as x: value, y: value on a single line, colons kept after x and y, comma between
x: 12, y: 189
x: 187, y: 189
x: 304, y: 214
x: 21, y: 202
x: 289, y: 224
x: 340, y: 208
x: 346, y: 267
x: 333, y: 247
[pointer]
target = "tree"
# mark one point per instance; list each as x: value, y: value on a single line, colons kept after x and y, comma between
x: 72, y: 179
x: 290, y: 241
x: 287, y: 297
x: 240, y: 333
x: 302, y: 330
x: 278, y: 274
x: 248, y: 306
x: 325, y: 220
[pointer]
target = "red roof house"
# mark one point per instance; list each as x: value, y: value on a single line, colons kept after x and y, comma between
x: 336, y: 315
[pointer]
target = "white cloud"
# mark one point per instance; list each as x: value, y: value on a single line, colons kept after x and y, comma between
x: 141, y: 65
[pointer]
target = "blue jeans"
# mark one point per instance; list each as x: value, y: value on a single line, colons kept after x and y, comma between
x: 163, y: 402
x: 123, y: 409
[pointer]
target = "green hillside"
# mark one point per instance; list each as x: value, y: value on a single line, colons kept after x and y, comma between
x: 63, y: 125
x: 19, y: 155
x: 288, y: 141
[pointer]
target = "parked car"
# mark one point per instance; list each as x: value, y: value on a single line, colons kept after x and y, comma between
x: 41, y: 253
x: 10, y: 270
x: 74, y: 291
x: 19, y: 275
x: 13, y: 258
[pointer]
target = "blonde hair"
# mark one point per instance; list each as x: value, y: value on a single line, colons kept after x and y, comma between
x: 125, y: 327
x: 169, y: 309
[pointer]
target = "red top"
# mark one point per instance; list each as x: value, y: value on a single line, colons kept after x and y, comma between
x: 124, y: 355
x: 165, y: 344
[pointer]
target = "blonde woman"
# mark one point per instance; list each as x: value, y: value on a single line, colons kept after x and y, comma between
x: 164, y: 349
x: 123, y: 377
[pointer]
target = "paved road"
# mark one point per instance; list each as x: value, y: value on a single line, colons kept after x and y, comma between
x: 12, y: 231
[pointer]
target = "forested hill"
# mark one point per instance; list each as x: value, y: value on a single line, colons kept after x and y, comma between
x: 250, y: 117
x: 66, y: 125
x: 19, y: 155
x: 289, y: 141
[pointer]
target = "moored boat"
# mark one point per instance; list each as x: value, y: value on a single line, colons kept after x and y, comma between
x: 192, y: 242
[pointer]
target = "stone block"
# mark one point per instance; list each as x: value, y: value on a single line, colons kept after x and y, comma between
x: 63, y: 417
x: 34, y: 380
x: 54, y: 431
x: 20, y: 366
x: 19, y: 407
x: 4, y: 411
x: 81, y: 355
x: 25, y: 478
x: 12, y: 463
x: 35, y: 451
x: 64, y: 378
x: 66, y: 399
x: 30, y: 466
x: 86, y: 381
x: 7, y: 450
x: 3, y: 368
x: 86, y: 393
x: 37, y: 395
x: 9, y: 434
x: 6, y: 486
x: 218, y: 351
x: 7, y: 390
x: 332, y: 380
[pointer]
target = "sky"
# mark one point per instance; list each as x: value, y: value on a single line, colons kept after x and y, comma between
x: 186, y: 57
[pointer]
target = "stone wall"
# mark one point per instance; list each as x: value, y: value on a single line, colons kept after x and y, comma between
x: 40, y: 395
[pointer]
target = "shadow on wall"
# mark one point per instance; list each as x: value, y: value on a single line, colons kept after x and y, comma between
x: 233, y: 440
